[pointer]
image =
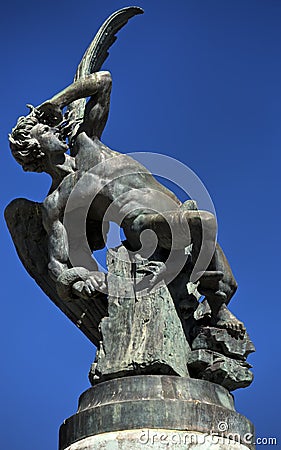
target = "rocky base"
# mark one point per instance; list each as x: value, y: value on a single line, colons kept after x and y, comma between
x: 217, y: 368
x: 219, y: 357
x: 142, y: 333
x: 125, y: 413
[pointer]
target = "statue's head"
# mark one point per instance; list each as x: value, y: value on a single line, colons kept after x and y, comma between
x: 33, y: 141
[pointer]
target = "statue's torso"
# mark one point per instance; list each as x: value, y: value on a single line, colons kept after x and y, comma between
x: 108, y: 183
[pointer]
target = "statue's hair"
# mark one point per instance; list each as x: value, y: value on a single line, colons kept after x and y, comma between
x: 25, y: 149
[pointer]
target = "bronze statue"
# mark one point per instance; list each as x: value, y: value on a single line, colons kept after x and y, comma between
x: 94, y: 185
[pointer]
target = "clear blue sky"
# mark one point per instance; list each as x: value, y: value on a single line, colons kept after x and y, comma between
x: 198, y: 80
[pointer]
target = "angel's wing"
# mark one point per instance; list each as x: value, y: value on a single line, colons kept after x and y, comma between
x: 24, y: 220
x: 97, y: 52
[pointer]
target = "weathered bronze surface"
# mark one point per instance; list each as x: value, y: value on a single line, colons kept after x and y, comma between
x: 145, y: 315
x: 156, y: 402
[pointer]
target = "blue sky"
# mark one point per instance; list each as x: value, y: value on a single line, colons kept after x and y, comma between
x: 197, y: 80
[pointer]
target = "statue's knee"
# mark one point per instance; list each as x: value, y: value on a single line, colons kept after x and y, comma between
x: 209, y: 225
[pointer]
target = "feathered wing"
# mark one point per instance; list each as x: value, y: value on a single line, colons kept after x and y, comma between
x: 97, y: 52
x: 24, y: 221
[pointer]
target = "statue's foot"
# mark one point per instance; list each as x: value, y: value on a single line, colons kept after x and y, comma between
x: 225, y: 319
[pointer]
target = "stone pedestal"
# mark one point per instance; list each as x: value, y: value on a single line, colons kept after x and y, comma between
x: 151, y: 411
x: 155, y: 439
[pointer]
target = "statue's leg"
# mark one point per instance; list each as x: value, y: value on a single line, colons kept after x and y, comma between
x: 218, y: 292
x: 178, y: 229
x: 228, y: 283
x: 218, y: 289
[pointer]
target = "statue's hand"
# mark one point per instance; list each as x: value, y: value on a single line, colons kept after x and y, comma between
x: 94, y: 283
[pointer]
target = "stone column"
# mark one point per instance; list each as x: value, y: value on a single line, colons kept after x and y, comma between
x: 153, y: 411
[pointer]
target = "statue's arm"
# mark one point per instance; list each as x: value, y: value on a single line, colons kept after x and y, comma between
x: 57, y: 237
x: 97, y: 86
x: 95, y: 83
x: 70, y: 281
x: 58, y: 249
x: 97, y: 108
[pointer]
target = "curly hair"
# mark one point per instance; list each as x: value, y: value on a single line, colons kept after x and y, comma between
x: 25, y: 149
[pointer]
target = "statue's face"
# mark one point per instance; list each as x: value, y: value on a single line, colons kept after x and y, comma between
x: 48, y: 139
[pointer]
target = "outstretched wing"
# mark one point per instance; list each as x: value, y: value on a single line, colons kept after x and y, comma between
x: 24, y: 220
x: 97, y: 52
